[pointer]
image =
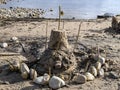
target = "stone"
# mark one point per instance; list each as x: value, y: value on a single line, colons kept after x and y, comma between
x: 56, y: 82
x: 98, y: 65
x: 43, y: 80
x: 113, y: 75
x: 106, y: 67
x: 14, y: 39
x: 89, y: 76
x: 24, y: 68
x: 15, y: 66
x: 33, y: 74
x: 79, y: 78
x: 24, y: 75
x: 101, y: 60
x: 93, y: 71
x: 4, y: 45
x: 101, y: 72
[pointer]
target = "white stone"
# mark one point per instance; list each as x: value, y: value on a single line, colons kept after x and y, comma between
x: 56, y: 82
x: 101, y: 72
x: 93, y: 71
x: 98, y: 65
x: 14, y: 38
x: 4, y: 45
x: 42, y: 79
x: 89, y: 76
x: 24, y: 68
x: 80, y: 79
x: 101, y: 60
x: 33, y: 74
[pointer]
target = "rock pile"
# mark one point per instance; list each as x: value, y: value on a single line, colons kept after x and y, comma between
x: 95, y: 69
x: 20, y: 13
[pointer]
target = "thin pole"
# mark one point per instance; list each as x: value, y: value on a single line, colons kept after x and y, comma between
x: 59, y: 18
x: 77, y: 36
x: 46, y: 34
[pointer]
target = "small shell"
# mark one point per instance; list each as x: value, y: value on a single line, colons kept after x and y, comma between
x: 24, y: 68
x: 93, y: 70
x: 101, y: 72
x: 98, y: 65
x: 80, y: 79
x: 33, y: 74
x: 24, y: 75
x: 89, y: 76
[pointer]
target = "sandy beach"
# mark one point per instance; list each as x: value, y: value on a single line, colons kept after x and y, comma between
x: 93, y: 33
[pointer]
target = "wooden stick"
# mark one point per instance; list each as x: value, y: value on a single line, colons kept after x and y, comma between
x: 50, y: 71
x: 63, y: 24
x: 9, y: 54
x: 87, y: 65
x: 46, y: 34
x: 77, y: 36
x: 59, y: 18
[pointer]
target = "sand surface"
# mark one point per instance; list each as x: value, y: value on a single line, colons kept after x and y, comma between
x: 92, y: 33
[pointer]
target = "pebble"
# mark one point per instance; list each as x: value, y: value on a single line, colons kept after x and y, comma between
x: 14, y: 39
x: 106, y: 67
x: 101, y: 72
x: 43, y: 80
x: 33, y: 74
x: 4, y: 82
x: 98, y: 65
x: 4, y: 45
x: 113, y: 75
x: 80, y: 79
x: 56, y: 82
x: 24, y: 68
x: 24, y: 75
x: 101, y: 60
x: 93, y: 71
x: 89, y: 76
x: 15, y: 66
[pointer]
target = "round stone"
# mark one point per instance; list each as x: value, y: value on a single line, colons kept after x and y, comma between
x: 33, y: 74
x: 56, y: 82
x: 43, y: 80
x: 93, y: 70
x: 101, y: 72
x: 14, y: 38
x: 98, y: 65
x: 89, y: 76
x: 24, y: 75
x: 80, y: 79
x: 4, y: 45
x: 24, y: 68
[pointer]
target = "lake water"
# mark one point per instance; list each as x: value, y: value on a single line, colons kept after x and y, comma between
x: 80, y: 9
